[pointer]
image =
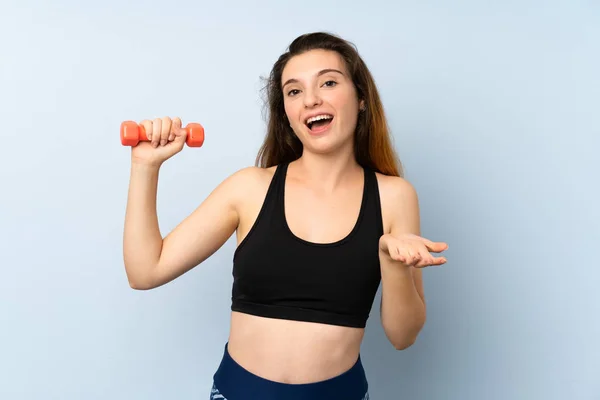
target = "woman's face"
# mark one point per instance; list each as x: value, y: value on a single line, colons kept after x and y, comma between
x: 320, y: 100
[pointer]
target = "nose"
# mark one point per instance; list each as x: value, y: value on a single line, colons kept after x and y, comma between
x: 311, y: 98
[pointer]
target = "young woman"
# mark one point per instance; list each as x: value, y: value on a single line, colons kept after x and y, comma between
x: 322, y: 220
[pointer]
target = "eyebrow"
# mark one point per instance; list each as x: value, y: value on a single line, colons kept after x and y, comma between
x: 322, y: 72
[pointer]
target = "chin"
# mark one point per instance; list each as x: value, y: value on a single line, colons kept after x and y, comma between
x: 325, y: 144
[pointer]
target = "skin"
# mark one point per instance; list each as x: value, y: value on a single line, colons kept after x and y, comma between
x: 323, y: 195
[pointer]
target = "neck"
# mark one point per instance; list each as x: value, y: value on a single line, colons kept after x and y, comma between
x: 328, y: 171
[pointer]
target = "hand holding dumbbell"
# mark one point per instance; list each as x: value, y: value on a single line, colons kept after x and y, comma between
x: 154, y: 141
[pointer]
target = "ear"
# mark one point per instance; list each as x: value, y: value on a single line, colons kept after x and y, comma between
x: 361, y: 105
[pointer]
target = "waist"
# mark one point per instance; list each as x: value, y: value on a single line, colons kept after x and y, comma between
x: 292, y: 351
x: 234, y: 382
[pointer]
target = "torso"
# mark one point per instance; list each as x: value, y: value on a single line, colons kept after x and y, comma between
x: 294, y: 351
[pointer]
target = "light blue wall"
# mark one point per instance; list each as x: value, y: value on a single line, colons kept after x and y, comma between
x: 496, y: 115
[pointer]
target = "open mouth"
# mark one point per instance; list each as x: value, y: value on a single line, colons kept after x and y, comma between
x: 319, y: 123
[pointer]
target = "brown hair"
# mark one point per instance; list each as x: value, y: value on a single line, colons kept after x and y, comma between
x: 372, y: 141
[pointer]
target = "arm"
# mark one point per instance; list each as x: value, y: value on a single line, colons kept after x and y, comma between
x: 403, y: 309
x: 150, y: 260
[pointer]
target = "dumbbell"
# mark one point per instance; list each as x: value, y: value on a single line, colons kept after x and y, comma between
x: 132, y: 133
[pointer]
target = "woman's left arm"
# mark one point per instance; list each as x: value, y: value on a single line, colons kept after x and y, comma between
x: 402, y: 253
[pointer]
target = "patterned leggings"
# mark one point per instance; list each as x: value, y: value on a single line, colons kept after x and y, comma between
x: 232, y: 382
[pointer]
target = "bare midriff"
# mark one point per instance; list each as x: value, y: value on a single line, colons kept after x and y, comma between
x: 292, y: 352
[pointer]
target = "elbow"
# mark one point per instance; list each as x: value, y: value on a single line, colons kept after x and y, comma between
x: 405, y: 344
x: 402, y: 340
x: 139, y: 281
x: 139, y: 285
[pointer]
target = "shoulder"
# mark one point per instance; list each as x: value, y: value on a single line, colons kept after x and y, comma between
x: 250, y: 176
x: 399, y: 201
x: 246, y: 181
x: 396, y: 189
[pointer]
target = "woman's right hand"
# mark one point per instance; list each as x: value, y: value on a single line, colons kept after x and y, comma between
x: 166, y: 138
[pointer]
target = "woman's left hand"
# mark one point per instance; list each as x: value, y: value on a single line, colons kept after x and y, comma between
x: 412, y: 250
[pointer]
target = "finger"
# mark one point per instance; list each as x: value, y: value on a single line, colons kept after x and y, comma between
x: 175, y: 128
x: 426, y: 259
x: 404, y: 256
x: 165, y: 131
x: 147, y: 124
x: 180, y: 139
x: 436, y: 261
x: 156, y: 129
x: 409, y: 257
x: 396, y: 254
x: 439, y: 261
x: 393, y: 252
x: 436, y: 247
x: 417, y: 257
x: 178, y: 143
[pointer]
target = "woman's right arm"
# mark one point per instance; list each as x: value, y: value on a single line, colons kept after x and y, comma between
x: 150, y: 260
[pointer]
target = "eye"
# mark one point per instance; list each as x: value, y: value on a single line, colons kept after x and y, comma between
x: 292, y: 92
x: 330, y: 83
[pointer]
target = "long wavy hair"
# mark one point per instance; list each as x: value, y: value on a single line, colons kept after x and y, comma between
x: 372, y: 140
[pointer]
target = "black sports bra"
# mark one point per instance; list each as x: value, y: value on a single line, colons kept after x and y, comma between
x: 279, y: 275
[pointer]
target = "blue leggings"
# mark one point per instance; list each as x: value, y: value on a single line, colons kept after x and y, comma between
x: 232, y: 382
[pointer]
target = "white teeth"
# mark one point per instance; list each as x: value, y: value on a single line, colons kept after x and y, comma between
x: 319, y: 117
